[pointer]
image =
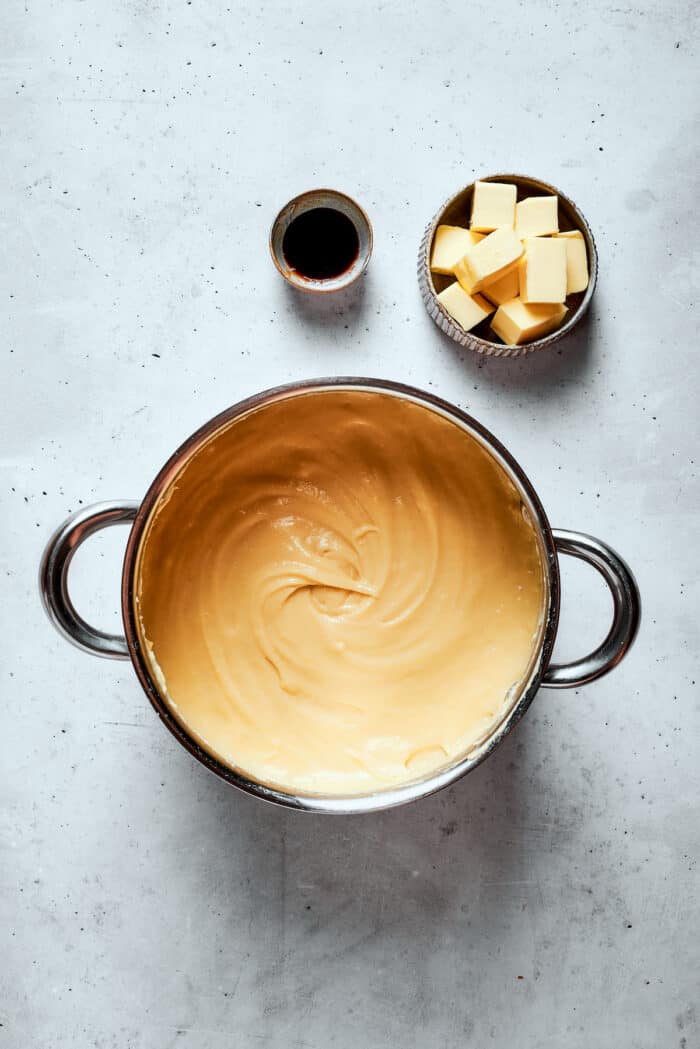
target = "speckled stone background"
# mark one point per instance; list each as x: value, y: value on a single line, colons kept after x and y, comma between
x: 548, y: 901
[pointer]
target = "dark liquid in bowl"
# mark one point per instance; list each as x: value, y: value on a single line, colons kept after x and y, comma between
x: 321, y: 243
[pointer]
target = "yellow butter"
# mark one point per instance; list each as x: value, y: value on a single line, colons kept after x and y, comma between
x: 543, y: 270
x: 493, y: 206
x: 517, y: 322
x: 504, y: 288
x: 449, y: 245
x: 537, y: 216
x: 467, y: 310
x: 488, y: 260
x: 576, y: 261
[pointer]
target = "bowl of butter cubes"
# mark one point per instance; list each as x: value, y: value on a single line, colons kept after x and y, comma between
x: 508, y: 266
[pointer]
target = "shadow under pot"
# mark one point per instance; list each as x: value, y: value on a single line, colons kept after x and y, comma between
x: 340, y: 595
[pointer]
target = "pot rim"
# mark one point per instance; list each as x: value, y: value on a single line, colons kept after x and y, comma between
x: 415, y: 789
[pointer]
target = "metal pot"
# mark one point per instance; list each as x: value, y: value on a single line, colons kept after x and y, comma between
x: 66, y: 540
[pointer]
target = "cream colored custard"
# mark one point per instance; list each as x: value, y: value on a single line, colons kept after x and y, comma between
x: 340, y: 593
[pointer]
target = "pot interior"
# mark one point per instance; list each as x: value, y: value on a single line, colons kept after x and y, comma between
x: 341, y: 595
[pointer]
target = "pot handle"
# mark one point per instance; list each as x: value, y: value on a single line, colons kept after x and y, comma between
x: 627, y: 607
x: 53, y: 576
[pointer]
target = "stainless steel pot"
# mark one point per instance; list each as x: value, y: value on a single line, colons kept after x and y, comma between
x: 76, y: 529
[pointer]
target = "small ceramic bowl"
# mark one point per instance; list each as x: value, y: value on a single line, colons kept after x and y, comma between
x: 322, y: 198
x: 456, y: 212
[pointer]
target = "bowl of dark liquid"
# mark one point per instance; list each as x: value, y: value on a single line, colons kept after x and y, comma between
x: 321, y: 241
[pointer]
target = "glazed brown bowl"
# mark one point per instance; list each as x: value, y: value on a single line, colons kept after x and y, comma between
x: 337, y: 201
x: 456, y: 212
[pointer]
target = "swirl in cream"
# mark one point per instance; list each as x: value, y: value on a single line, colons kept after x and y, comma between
x: 340, y: 592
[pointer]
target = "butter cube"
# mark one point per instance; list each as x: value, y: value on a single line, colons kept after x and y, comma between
x: 537, y: 216
x: 467, y: 310
x: 493, y: 206
x: 488, y: 260
x: 449, y: 245
x: 576, y: 261
x: 517, y: 322
x: 503, y: 288
x: 543, y: 270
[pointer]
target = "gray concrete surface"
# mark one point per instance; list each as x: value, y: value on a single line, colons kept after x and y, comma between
x: 549, y: 901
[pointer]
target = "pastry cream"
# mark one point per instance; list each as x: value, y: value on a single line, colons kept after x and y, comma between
x: 340, y: 592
